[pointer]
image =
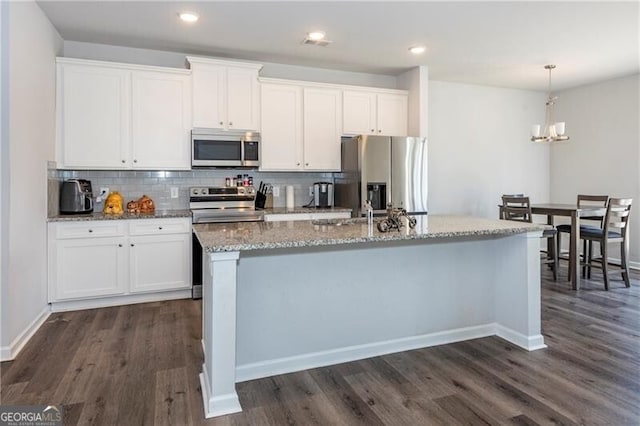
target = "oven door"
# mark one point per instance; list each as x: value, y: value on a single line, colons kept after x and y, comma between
x: 216, y: 150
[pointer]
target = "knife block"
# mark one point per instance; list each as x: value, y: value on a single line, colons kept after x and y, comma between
x: 264, y: 201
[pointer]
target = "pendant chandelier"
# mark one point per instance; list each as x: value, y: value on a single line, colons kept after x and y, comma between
x: 552, y: 131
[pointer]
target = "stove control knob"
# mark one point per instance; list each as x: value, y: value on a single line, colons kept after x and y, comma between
x: 195, y: 191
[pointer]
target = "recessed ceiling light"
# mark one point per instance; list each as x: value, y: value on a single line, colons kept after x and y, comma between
x: 316, y: 35
x: 316, y: 38
x: 416, y: 50
x: 189, y: 17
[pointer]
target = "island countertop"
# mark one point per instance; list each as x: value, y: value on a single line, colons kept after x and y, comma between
x: 217, y: 237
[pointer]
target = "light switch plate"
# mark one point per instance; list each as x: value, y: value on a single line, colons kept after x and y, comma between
x: 276, y: 191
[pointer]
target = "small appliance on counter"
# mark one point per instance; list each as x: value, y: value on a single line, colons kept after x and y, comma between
x: 323, y: 194
x: 76, y: 197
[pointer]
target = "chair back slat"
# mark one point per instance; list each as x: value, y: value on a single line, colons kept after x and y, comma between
x: 585, y: 200
x: 516, y: 208
x: 617, y: 216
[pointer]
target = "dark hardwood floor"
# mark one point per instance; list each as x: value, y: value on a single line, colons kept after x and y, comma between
x: 139, y: 365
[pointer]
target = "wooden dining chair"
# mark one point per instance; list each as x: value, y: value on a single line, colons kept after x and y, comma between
x: 615, y: 230
x: 518, y: 208
x: 595, y: 224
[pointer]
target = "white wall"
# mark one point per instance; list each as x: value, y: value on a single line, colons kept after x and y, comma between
x: 479, y: 148
x: 132, y: 55
x: 416, y: 81
x: 603, y: 154
x: 33, y: 46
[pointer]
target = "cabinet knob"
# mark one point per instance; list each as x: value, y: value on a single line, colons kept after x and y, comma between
x: 230, y: 123
x: 306, y: 164
x: 132, y: 245
x: 135, y: 161
x: 123, y: 161
x: 90, y: 230
x: 379, y: 131
x: 373, y: 130
x: 119, y: 245
x: 159, y: 227
x: 297, y: 164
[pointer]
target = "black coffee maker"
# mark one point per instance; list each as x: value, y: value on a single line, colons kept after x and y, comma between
x: 323, y: 194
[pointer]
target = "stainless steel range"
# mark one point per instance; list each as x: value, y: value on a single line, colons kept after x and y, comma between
x: 224, y: 204
x: 219, y: 204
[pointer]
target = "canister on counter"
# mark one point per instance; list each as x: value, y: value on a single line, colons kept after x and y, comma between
x: 227, y: 181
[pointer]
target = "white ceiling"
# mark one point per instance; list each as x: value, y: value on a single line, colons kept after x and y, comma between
x: 492, y: 43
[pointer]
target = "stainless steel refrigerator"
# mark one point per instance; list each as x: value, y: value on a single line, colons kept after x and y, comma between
x: 383, y: 169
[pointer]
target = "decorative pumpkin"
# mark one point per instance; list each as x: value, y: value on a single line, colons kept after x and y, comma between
x: 143, y: 205
x: 113, y: 204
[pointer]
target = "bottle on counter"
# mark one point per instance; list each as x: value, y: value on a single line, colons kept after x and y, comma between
x: 250, y: 180
x: 239, y: 179
x: 227, y: 181
x: 234, y: 181
x: 245, y: 180
x: 369, y: 211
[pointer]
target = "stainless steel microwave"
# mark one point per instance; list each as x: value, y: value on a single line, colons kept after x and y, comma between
x: 225, y: 149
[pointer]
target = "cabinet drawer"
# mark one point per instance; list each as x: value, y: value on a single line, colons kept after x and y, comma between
x: 90, y: 229
x: 159, y: 226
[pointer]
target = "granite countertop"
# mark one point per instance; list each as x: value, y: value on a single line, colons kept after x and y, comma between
x: 272, y: 235
x: 299, y: 210
x: 158, y: 214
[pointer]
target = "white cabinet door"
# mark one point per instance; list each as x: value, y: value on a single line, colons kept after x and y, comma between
x: 89, y: 267
x: 359, y: 113
x: 161, y: 120
x: 160, y: 262
x: 243, y: 99
x: 209, y: 96
x: 281, y: 119
x: 93, y: 110
x: 392, y: 114
x: 322, y: 129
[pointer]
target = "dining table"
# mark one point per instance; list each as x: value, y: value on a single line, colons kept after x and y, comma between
x: 551, y: 210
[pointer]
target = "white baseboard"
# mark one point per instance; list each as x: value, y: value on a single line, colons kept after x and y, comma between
x: 218, y: 405
x: 8, y: 353
x: 530, y: 343
x: 130, y: 299
x: 353, y: 353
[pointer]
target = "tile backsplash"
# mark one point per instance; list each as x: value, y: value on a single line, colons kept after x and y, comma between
x: 157, y: 184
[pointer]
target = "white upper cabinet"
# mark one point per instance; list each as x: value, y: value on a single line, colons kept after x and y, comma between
x: 322, y: 122
x: 359, y: 113
x: 161, y: 120
x: 121, y: 116
x: 281, y: 144
x: 301, y: 128
x: 371, y: 112
x: 226, y: 95
x: 392, y: 114
x: 93, y: 111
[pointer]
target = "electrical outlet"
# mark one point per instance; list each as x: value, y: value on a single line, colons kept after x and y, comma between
x: 174, y: 192
x: 104, y: 191
x: 276, y: 191
x: 311, y: 191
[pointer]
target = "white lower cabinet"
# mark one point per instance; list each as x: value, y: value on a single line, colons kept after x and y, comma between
x: 90, y: 267
x: 101, y: 263
x: 159, y: 263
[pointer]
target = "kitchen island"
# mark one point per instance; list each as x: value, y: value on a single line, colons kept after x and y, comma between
x: 286, y: 296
